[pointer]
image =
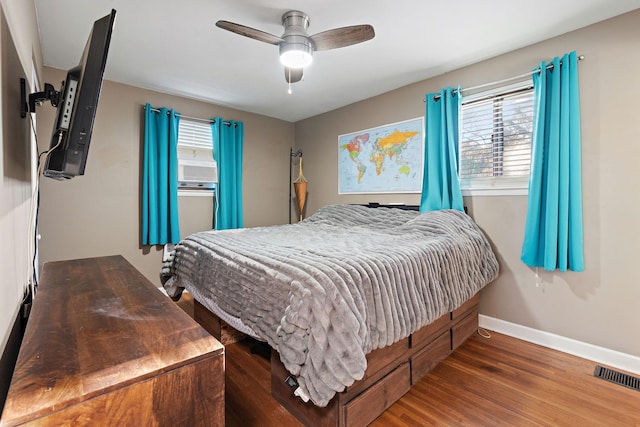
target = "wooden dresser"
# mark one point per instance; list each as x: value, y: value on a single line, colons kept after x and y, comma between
x: 104, y: 347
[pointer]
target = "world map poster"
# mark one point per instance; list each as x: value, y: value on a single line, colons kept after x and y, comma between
x: 385, y: 159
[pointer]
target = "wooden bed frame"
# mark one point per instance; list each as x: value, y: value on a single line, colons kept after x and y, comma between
x: 391, y: 371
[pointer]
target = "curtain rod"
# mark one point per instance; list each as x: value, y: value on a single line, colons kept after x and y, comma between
x: 199, y: 119
x: 508, y: 79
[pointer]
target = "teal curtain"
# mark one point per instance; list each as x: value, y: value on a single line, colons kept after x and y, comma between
x: 227, y: 151
x: 440, y: 182
x: 160, y: 177
x: 553, y: 231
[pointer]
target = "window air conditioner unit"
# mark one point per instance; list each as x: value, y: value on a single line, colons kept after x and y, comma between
x: 197, y: 174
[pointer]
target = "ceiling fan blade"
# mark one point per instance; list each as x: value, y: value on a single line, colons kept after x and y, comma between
x: 249, y: 32
x: 341, y: 37
x: 292, y: 75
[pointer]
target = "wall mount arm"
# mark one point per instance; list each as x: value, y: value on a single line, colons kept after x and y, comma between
x: 48, y: 94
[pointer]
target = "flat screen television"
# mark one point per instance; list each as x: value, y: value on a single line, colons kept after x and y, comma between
x: 77, y: 105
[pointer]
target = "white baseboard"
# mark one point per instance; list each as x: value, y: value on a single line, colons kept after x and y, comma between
x: 587, y: 351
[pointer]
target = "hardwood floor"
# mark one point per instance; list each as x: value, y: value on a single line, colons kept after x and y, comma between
x: 500, y: 381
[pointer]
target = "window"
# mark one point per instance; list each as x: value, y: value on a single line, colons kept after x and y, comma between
x: 495, y: 141
x: 196, y: 167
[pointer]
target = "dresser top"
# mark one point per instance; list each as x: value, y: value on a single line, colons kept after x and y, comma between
x: 97, y: 325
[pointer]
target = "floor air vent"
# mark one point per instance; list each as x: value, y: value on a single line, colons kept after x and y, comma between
x: 617, y: 377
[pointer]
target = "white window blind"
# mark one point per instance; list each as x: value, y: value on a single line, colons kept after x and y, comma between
x: 196, y: 167
x: 495, y: 140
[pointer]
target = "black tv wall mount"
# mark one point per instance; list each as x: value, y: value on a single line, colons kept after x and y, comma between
x: 49, y: 94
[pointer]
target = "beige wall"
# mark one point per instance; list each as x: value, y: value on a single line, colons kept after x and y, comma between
x: 19, y: 44
x: 598, y: 306
x: 98, y: 213
x: 23, y: 25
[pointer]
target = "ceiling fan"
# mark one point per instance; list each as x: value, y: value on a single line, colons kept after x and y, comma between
x: 296, y: 46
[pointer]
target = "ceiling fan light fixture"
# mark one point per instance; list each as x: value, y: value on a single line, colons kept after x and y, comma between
x: 296, y: 55
x: 296, y: 45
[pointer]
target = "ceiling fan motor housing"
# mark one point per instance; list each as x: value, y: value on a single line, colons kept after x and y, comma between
x: 297, y: 49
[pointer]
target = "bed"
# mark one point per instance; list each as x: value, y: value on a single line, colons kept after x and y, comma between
x: 356, y: 303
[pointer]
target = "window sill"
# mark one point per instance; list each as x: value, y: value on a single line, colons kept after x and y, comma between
x: 495, y: 192
x: 195, y: 193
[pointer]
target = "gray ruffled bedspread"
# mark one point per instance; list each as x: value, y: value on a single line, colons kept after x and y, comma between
x: 328, y: 290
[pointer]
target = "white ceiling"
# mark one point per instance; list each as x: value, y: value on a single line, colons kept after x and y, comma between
x: 174, y: 46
